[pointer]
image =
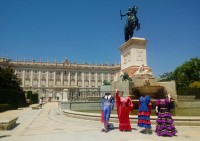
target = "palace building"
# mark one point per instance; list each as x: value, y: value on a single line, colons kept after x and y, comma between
x: 52, y: 79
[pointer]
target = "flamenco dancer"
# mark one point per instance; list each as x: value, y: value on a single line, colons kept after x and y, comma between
x: 124, y: 106
x: 165, y: 123
x: 144, y: 113
x: 107, y: 105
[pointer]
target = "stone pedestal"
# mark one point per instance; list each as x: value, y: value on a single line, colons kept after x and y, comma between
x: 106, y: 88
x: 133, y: 53
x: 133, y: 57
x: 134, y: 63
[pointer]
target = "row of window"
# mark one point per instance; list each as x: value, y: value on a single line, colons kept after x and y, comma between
x: 79, y: 77
x: 72, y: 79
x: 27, y: 83
x: 65, y: 72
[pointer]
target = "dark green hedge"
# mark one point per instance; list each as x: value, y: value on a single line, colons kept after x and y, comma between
x: 5, y: 107
x: 21, y: 100
x: 33, y: 97
x: 12, y: 97
x: 190, y: 91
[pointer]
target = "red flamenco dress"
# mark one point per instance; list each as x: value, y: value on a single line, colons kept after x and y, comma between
x: 124, y: 106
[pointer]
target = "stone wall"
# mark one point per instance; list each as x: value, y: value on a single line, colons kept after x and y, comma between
x: 188, y: 104
x: 81, y: 106
x: 170, y: 87
x: 124, y: 86
x: 188, y: 101
x: 106, y: 88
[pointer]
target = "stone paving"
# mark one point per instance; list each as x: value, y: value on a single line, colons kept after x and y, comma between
x: 48, y: 124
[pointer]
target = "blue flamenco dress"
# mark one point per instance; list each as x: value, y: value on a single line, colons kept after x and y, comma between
x: 107, y: 105
x: 144, y: 112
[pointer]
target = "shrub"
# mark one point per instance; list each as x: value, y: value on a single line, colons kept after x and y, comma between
x: 190, y: 91
x: 195, y: 84
x: 5, y: 107
x: 9, y: 97
x: 34, y: 98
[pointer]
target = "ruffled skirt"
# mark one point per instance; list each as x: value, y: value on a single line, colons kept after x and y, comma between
x: 165, y: 124
x: 144, y: 119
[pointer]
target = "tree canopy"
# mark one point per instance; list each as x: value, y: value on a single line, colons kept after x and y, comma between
x: 184, y: 75
x: 9, y: 80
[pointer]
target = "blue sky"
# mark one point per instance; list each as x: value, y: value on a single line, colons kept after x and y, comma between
x: 91, y: 31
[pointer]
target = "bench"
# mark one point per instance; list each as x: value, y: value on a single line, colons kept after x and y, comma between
x: 7, y: 123
x: 36, y: 107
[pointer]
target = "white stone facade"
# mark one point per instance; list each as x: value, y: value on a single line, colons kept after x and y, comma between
x: 52, y: 79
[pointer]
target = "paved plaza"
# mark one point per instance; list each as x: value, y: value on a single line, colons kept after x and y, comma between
x: 47, y: 124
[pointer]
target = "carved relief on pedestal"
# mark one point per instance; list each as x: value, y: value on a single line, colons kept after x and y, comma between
x: 127, y: 57
x: 140, y: 55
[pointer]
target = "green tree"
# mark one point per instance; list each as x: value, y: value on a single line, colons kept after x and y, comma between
x: 9, y: 80
x: 10, y: 91
x: 168, y: 76
x: 184, y: 75
x: 187, y: 73
x: 195, y: 84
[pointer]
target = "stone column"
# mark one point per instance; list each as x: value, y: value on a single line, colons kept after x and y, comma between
x: 31, y: 83
x: 54, y: 82
x: 59, y: 95
x: 83, y: 79
x: 65, y: 95
x: 23, y: 76
x: 76, y: 80
x: 61, y: 78
x: 89, y: 79
x: 47, y: 78
x: 69, y: 79
x: 39, y: 83
x: 102, y: 79
x: 96, y: 84
x: 108, y: 76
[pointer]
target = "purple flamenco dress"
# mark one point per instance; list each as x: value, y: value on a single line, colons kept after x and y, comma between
x: 165, y: 123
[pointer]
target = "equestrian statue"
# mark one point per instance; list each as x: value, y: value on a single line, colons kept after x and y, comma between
x: 132, y: 22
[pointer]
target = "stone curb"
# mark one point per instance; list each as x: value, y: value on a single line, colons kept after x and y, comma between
x: 178, y: 121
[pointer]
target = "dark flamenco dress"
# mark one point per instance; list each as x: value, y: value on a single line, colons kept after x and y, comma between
x: 165, y: 123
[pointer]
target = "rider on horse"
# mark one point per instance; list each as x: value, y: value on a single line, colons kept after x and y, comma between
x: 131, y: 23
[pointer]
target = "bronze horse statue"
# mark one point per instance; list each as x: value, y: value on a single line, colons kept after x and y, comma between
x: 132, y: 22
